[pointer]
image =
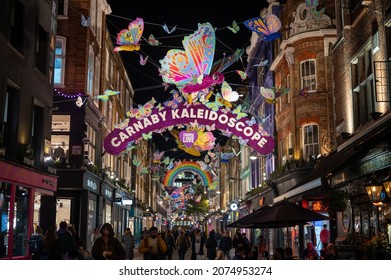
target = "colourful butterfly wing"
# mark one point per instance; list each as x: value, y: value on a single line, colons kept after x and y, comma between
x: 238, y: 112
x: 181, y: 67
x: 152, y: 41
x: 132, y: 35
x: 268, y: 26
x: 257, y: 25
x: 224, y: 63
x: 111, y: 92
x: 267, y: 93
x: 103, y: 97
x: 147, y: 136
x: 212, y: 105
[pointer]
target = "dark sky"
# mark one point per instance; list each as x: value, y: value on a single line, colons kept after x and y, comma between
x: 145, y: 79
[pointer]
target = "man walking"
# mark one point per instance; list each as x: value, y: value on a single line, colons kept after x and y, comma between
x: 324, y: 236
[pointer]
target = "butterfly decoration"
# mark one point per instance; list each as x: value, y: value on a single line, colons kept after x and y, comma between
x: 228, y: 93
x: 222, y: 64
x: 153, y: 41
x: 130, y: 146
x: 236, y: 154
x: 252, y: 121
x: 170, y: 166
x: 207, y: 158
x: 226, y: 157
x: 175, y: 101
x: 166, y: 160
x: 304, y: 92
x: 318, y: 13
x: 144, y: 171
x: 107, y: 94
x: 136, y: 162
x: 128, y: 39
x: 165, y: 27
x: 242, y: 74
x: 186, y: 68
x: 86, y: 22
x: 267, y: 26
x: 311, y: 3
x: 123, y: 124
x: 79, y: 102
x: 234, y: 28
x: 142, y: 111
x: 269, y: 95
x: 147, y: 136
x: 214, y: 106
x: 157, y: 156
x: 211, y: 127
x: 242, y: 141
x: 263, y: 63
x: 165, y: 85
x: 226, y: 133
x: 238, y: 112
x: 143, y: 60
x: 203, y: 165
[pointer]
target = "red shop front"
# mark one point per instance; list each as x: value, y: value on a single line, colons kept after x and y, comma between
x: 20, y: 191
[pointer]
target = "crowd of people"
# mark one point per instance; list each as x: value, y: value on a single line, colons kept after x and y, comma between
x: 194, y: 244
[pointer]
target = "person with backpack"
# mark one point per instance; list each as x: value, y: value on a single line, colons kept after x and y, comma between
x: 36, y: 243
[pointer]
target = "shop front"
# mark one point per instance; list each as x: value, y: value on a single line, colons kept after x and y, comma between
x: 136, y: 222
x: 20, y: 189
x: 121, y: 207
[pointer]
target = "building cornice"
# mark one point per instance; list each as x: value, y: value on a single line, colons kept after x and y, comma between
x: 329, y: 35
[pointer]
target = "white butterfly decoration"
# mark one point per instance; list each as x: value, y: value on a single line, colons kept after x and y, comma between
x: 79, y: 102
x: 165, y: 27
x: 228, y: 94
x: 85, y: 22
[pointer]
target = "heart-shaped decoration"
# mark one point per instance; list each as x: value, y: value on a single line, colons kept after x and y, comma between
x: 188, y: 138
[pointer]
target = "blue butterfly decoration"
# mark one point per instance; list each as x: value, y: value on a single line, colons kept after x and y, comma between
x: 242, y: 141
x: 252, y: 121
x: 267, y: 26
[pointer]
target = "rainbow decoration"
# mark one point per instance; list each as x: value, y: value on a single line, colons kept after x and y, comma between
x: 189, y: 166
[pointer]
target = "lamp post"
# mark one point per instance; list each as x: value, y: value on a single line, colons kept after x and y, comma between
x: 374, y: 189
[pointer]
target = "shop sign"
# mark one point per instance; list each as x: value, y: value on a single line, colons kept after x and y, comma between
x: 147, y: 214
x: 108, y: 193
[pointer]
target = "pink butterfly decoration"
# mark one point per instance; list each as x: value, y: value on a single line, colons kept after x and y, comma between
x: 175, y: 101
x: 143, y: 61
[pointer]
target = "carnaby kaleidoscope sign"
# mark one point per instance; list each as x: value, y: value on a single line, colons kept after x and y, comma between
x: 230, y: 122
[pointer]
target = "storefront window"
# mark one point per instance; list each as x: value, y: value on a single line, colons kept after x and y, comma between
x: 5, y: 194
x: 108, y: 213
x: 21, y: 221
x: 91, y: 222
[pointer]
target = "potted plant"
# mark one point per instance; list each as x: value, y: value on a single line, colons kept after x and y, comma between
x: 337, y: 200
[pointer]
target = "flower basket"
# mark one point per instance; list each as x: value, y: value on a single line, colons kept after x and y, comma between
x: 337, y: 200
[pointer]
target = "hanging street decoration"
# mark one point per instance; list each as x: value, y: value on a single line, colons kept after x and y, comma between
x: 128, y: 39
x: 267, y: 26
x: 166, y: 118
x: 190, y: 166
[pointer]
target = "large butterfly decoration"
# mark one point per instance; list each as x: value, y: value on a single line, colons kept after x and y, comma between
x: 157, y: 156
x: 191, y: 69
x: 128, y: 39
x: 142, y: 111
x: 268, y: 26
x: 107, y: 94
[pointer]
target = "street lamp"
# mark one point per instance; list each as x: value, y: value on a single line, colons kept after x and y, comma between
x: 387, y: 184
x: 374, y: 189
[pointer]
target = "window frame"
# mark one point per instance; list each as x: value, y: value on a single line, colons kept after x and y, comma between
x: 65, y: 11
x: 63, y: 60
x: 304, y: 145
x: 311, y: 76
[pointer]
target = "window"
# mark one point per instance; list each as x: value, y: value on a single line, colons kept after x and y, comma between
x: 308, y: 75
x: 96, y: 80
x: 62, y: 8
x: 59, y: 63
x: 363, y: 88
x: 16, y: 30
x: 41, y: 49
x: 282, y: 150
x: 90, y: 71
x: 310, y: 142
x: 93, y: 8
x: 9, y: 126
x: 5, y: 195
x: 61, y: 125
x: 107, y: 69
x: 91, y: 144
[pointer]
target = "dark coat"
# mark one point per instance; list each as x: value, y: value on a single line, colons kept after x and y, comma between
x: 112, y: 245
x: 193, y: 250
x: 211, y: 244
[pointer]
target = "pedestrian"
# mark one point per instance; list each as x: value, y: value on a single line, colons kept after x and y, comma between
x: 211, y: 244
x: 65, y: 238
x: 153, y: 246
x: 197, y: 245
x: 325, y: 236
x: 182, y: 244
x: 95, y: 235
x: 226, y: 245
x: 170, y: 242
x: 309, y: 252
x: 36, y: 243
x: 107, y: 247
x: 127, y: 241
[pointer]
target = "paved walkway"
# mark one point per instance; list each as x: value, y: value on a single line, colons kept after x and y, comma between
x: 138, y: 256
